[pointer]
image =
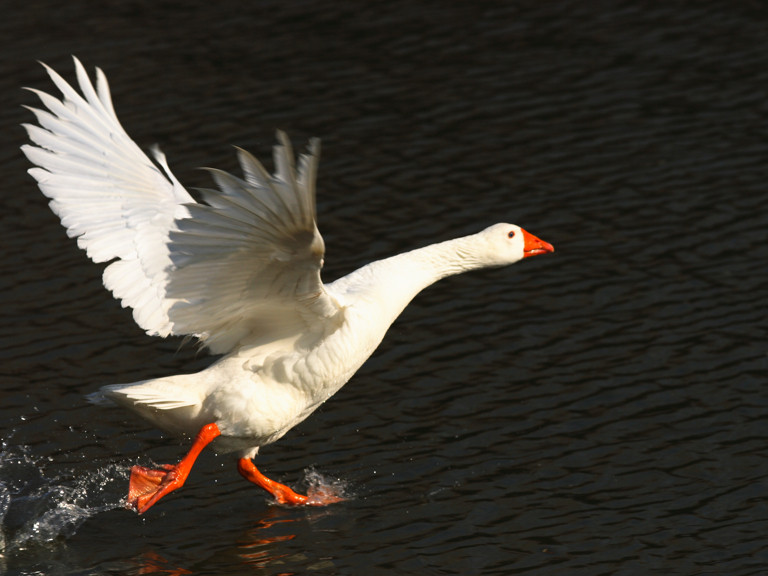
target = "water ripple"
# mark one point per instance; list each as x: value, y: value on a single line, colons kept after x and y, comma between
x: 602, y: 410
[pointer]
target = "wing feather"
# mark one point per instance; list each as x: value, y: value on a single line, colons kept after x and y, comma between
x: 107, y: 192
x: 253, y: 251
x: 243, y: 265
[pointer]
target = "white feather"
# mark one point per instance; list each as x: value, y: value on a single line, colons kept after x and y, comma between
x: 185, y: 268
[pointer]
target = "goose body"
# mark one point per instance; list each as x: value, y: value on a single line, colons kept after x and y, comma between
x: 239, y: 271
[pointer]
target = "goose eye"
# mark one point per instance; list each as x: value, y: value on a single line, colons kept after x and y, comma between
x: 511, y: 234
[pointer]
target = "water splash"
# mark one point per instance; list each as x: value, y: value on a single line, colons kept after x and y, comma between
x: 322, y: 490
x: 38, y: 510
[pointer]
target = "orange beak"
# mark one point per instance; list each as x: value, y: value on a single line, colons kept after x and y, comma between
x: 534, y: 246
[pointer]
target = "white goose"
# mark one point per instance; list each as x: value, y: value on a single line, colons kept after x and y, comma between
x: 240, y: 272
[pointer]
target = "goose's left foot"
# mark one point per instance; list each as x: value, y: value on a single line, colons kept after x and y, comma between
x: 282, y: 493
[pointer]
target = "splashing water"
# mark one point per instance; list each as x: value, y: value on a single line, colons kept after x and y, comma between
x: 38, y: 510
x: 321, y: 489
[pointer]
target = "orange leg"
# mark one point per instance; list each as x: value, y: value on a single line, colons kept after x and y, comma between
x: 281, y: 492
x: 147, y: 486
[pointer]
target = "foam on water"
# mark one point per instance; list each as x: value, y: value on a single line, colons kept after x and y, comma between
x: 36, y: 509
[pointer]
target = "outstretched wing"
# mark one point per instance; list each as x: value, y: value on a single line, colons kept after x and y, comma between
x: 108, y: 193
x: 185, y: 268
x: 246, y: 265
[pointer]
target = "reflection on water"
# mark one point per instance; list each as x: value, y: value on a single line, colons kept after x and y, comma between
x: 260, y: 548
x: 153, y: 563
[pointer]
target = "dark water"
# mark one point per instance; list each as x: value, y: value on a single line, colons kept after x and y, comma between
x: 599, y: 411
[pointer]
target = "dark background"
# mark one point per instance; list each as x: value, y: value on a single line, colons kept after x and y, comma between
x: 598, y: 411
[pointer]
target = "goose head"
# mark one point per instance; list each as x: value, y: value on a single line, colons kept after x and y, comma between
x: 503, y: 244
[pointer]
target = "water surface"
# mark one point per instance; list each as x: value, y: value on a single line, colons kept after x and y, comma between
x: 599, y: 411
